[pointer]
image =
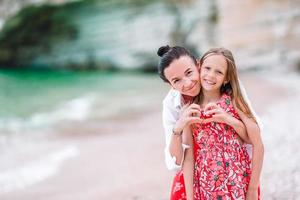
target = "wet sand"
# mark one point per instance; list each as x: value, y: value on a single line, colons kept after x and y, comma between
x: 125, y: 160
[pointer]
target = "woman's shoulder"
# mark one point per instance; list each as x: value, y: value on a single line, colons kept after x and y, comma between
x: 172, y: 100
x: 171, y: 96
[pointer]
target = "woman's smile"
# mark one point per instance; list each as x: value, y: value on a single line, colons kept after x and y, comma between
x: 191, y: 87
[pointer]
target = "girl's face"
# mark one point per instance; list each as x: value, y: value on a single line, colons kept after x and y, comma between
x: 213, y: 73
x: 183, y: 75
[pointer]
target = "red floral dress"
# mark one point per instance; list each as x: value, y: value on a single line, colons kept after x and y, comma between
x: 178, y: 188
x: 222, y: 164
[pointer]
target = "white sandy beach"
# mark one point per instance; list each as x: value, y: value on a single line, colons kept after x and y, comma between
x: 124, y: 160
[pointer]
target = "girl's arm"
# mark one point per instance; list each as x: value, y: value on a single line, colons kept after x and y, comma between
x: 188, y: 163
x: 257, y: 154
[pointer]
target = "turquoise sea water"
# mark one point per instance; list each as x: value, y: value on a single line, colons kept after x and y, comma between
x: 45, y: 96
x: 41, y: 111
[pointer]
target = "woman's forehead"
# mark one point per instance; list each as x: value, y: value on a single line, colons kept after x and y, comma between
x: 179, y: 66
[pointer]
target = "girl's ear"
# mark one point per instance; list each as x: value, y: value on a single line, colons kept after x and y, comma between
x: 225, y: 82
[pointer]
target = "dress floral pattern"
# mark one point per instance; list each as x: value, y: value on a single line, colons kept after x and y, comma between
x: 178, y: 188
x: 222, y: 164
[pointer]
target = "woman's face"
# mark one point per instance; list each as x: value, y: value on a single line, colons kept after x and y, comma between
x: 183, y: 75
x: 213, y: 73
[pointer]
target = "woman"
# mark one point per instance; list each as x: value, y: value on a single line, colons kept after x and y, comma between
x: 179, y: 68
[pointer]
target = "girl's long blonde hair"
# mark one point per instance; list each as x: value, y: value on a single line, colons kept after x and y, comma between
x: 232, y: 87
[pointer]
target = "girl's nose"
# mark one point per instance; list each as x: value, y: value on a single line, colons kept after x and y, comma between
x: 211, y: 74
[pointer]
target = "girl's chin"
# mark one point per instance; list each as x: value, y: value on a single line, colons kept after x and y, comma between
x: 210, y: 90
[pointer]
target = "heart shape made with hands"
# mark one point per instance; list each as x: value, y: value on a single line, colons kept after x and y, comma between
x: 205, y: 114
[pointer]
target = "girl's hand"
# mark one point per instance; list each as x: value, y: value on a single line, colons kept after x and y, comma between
x: 215, y: 113
x: 252, y: 194
x: 189, y: 114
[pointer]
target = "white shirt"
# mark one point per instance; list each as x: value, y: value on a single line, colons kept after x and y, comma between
x: 170, y: 115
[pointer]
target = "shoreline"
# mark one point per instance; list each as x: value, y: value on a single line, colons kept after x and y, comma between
x: 124, y: 160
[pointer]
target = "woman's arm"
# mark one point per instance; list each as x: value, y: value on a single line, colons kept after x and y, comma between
x: 257, y: 154
x: 188, y: 163
x: 174, y: 151
x: 239, y: 127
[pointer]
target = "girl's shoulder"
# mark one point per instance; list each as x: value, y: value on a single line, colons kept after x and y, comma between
x: 227, y: 104
x: 225, y: 100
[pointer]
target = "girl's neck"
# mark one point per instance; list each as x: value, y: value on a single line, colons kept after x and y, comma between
x: 210, y: 97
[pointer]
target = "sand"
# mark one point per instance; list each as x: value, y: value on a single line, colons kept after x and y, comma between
x: 125, y: 161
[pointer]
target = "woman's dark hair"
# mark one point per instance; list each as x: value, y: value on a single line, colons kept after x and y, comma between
x: 168, y: 55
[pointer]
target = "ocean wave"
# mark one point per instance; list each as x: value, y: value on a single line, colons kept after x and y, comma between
x: 35, y: 171
x: 77, y: 109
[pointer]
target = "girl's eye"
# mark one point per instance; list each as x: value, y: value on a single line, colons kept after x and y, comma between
x: 176, y: 81
x: 207, y: 68
x: 219, y: 72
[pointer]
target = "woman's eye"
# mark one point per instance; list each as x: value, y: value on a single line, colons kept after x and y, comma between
x: 189, y: 72
x: 219, y: 72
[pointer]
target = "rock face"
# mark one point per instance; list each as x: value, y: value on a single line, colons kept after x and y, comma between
x: 8, y: 8
x: 262, y: 34
x: 113, y: 34
x: 95, y: 34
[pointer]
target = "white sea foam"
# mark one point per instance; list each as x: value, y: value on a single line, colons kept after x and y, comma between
x: 36, y: 170
x: 74, y: 110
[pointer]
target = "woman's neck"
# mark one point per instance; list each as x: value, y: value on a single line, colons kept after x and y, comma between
x: 210, y: 97
x: 186, y: 99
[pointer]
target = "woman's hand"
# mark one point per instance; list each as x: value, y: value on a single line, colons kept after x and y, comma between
x: 189, y: 114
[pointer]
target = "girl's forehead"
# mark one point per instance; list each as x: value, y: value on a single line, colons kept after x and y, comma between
x: 215, y: 59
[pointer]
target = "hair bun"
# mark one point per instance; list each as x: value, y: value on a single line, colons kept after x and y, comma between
x: 162, y: 50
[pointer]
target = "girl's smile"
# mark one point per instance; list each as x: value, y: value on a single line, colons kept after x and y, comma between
x: 213, y: 73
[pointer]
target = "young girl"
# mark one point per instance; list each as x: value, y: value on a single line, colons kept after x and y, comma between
x: 222, y: 165
x: 179, y: 68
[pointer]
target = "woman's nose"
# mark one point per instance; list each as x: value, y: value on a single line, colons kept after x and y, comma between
x: 187, y: 82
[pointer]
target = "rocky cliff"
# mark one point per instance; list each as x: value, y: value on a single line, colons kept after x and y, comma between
x: 94, y: 34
